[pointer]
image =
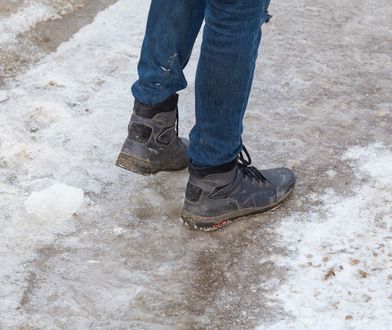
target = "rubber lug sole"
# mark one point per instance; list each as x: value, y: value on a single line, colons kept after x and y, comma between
x: 222, y: 221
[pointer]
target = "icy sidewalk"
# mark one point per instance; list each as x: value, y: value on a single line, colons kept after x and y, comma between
x: 50, y: 131
x: 121, y: 259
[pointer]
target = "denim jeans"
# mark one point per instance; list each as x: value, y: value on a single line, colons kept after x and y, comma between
x: 231, y: 39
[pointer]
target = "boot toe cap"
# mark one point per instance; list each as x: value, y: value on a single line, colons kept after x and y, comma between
x: 283, y: 179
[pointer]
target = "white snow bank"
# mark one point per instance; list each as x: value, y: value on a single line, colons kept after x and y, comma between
x: 341, y: 267
x: 59, y: 201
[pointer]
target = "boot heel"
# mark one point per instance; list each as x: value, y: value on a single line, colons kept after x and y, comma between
x: 135, y: 165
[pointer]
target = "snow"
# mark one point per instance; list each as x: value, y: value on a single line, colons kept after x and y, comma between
x: 3, y: 96
x: 59, y: 201
x: 22, y: 21
x: 341, y: 260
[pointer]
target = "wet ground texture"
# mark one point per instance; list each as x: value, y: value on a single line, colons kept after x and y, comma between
x: 323, y: 84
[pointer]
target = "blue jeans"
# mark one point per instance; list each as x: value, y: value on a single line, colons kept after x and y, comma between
x: 231, y: 39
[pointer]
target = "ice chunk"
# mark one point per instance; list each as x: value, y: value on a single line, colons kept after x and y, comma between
x: 59, y: 201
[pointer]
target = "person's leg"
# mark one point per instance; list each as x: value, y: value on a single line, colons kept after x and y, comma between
x: 222, y: 185
x: 153, y: 144
x: 172, y: 28
x: 231, y: 40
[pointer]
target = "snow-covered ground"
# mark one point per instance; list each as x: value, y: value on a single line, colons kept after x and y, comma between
x: 87, y: 245
x: 341, y: 258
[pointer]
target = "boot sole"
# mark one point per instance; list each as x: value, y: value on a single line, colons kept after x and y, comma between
x: 215, y: 223
x: 139, y: 166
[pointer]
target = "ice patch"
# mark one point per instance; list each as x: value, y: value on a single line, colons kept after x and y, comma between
x: 22, y: 21
x: 59, y: 201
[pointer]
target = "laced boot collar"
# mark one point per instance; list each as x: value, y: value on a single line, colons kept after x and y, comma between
x: 151, y: 110
x: 244, y: 164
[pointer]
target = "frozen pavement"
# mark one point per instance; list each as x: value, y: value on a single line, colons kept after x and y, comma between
x: 32, y: 28
x: 115, y: 255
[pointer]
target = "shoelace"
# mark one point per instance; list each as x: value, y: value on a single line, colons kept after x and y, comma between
x: 244, y: 163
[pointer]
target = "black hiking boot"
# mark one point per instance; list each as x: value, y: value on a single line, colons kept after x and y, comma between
x: 215, y: 196
x: 153, y: 144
